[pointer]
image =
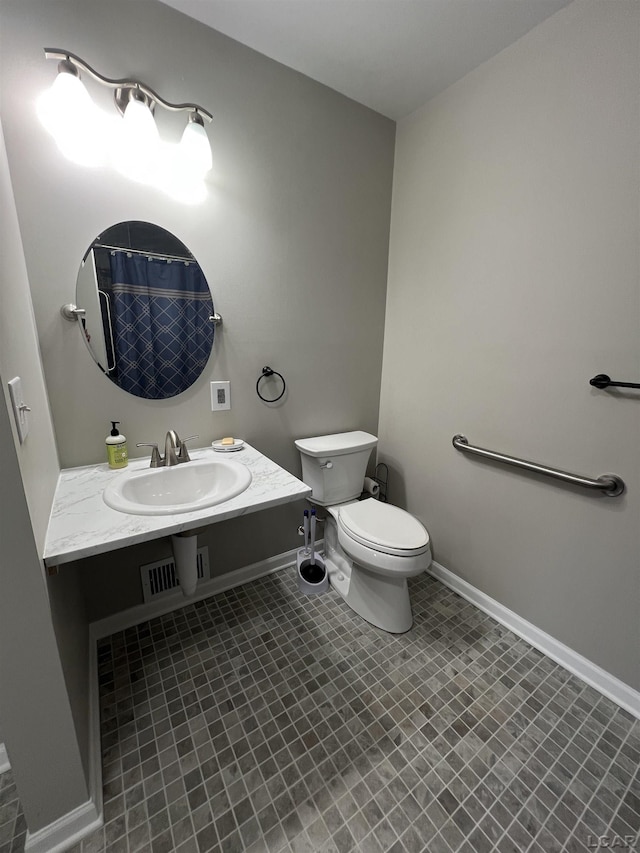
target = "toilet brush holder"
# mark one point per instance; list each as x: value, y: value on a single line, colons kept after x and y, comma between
x: 312, y: 577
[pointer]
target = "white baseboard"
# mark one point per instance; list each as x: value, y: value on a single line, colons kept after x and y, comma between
x: 72, y: 827
x: 143, y: 612
x: 589, y: 672
x: 601, y: 680
x: 5, y: 764
x: 68, y: 830
x: 64, y: 832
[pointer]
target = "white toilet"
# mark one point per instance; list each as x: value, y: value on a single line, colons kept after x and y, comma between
x: 371, y: 548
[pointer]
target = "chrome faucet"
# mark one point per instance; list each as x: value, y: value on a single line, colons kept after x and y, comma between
x: 156, y: 460
x: 183, y: 453
x: 175, y: 451
x: 171, y: 444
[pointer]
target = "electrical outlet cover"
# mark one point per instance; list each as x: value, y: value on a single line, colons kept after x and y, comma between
x: 220, y: 396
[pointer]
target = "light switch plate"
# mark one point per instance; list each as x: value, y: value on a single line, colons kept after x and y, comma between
x: 220, y: 396
x: 20, y: 411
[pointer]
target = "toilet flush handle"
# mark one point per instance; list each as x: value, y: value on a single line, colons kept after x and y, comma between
x: 327, y: 464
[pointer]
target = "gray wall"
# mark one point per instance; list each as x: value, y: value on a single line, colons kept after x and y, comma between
x: 20, y: 356
x: 293, y: 239
x: 513, y: 280
x: 43, y: 690
x: 34, y: 706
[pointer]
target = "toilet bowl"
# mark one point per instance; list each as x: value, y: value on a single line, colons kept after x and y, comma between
x: 368, y: 565
x: 371, y: 548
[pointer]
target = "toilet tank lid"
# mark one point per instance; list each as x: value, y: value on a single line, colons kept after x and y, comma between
x: 337, y: 444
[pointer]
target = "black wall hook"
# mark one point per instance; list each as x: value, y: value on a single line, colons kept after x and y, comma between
x: 604, y: 381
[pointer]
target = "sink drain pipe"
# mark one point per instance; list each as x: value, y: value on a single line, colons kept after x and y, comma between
x: 185, y: 555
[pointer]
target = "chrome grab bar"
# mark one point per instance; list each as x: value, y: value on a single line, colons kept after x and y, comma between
x: 609, y: 484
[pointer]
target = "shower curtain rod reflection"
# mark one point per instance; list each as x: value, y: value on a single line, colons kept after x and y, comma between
x: 160, y: 255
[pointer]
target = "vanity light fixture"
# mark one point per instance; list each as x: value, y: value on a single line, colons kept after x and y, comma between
x: 128, y: 140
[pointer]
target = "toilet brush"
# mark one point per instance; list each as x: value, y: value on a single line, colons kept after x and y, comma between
x: 313, y: 537
x: 312, y: 574
x: 306, y: 531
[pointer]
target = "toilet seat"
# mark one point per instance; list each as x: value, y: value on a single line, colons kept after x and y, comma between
x: 383, y: 527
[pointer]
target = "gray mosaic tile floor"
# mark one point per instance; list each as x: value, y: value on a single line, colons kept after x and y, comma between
x: 262, y: 720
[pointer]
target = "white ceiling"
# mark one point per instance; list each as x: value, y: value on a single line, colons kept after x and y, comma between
x: 391, y: 55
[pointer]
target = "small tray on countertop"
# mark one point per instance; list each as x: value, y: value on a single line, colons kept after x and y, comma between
x: 219, y: 447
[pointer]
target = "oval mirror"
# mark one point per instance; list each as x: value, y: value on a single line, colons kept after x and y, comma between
x: 148, y: 320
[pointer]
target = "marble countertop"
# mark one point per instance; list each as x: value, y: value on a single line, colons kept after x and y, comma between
x: 81, y: 524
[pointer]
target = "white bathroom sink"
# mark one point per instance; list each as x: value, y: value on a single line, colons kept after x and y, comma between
x: 181, y: 488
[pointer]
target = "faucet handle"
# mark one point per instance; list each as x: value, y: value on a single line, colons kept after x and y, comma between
x: 183, y: 453
x: 156, y: 459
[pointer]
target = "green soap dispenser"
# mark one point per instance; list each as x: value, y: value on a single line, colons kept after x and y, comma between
x: 116, y: 448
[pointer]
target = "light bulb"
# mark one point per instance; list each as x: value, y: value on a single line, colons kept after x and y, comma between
x: 195, y: 150
x: 71, y: 117
x: 136, y: 147
x: 177, y: 178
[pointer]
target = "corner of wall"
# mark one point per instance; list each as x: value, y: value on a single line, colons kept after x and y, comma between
x: 20, y: 356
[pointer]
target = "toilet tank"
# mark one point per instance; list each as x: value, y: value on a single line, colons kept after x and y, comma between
x: 334, y: 465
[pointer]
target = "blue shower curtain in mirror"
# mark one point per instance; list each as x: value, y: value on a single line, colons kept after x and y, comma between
x: 162, y: 331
